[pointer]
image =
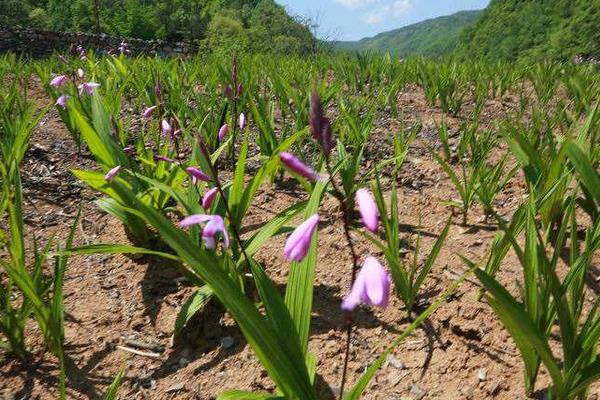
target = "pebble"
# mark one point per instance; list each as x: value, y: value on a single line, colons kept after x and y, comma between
x: 482, y: 375
x: 183, y: 362
x: 175, y: 388
x: 227, y: 342
x: 394, y: 362
x: 417, y: 392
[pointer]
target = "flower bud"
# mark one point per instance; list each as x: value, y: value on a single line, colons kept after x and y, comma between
x: 372, y: 287
x: 368, y: 209
x: 298, y: 243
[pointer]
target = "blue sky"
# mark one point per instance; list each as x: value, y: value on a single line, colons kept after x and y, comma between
x: 355, y: 19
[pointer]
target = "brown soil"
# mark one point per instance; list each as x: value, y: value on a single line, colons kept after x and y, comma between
x: 461, y: 352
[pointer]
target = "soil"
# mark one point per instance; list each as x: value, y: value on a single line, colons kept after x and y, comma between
x: 111, y: 302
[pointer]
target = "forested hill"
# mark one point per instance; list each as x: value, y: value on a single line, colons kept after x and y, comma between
x: 253, y: 25
x: 433, y: 37
x: 534, y: 29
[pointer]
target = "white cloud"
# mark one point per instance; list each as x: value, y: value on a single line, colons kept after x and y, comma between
x: 396, y: 8
x: 355, y: 3
x: 374, y: 18
x: 401, y: 7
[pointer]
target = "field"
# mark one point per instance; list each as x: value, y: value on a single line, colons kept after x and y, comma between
x: 473, y: 185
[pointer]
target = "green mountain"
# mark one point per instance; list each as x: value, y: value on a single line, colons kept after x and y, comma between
x: 245, y: 25
x: 534, y: 29
x: 433, y: 37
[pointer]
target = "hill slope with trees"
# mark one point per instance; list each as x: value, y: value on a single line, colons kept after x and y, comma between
x: 252, y: 25
x: 534, y: 29
x: 433, y: 37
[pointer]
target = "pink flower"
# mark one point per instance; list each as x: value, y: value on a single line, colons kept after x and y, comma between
x: 62, y: 101
x: 163, y: 158
x: 110, y: 175
x: 129, y: 150
x: 298, y: 167
x: 372, y: 287
x: 240, y: 90
x: 149, y: 111
x: 223, y: 132
x: 320, y: 125
x: 176, y: 134
x: 80, y: 73
x: 209, y: 197
x: 242, y: 121
x: 165, y: 127
x: 368, y: 209
x: 88, y: 87
x: 58, y: 81
x: 298, y: 243
x: 214, y: 225
x: 197, y: 175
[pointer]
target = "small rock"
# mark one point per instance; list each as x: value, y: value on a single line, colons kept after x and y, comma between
x: 394, y: 362
x: 417, y: 392
x: 183, y: 362
x: 482, y: 374
x: 227, y: 342
x: 335, y: 390
x: 175, y: 388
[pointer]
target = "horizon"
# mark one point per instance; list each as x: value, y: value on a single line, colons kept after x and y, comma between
x: 352, y: 20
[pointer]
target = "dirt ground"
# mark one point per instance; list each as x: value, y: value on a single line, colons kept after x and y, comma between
x: 461, y: 352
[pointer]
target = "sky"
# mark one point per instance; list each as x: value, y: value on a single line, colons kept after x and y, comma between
x: 356, y: 19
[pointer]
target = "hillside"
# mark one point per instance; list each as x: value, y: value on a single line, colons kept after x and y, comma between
x: 433, y: 37
x: 534, y: 29
x: 246, y: 25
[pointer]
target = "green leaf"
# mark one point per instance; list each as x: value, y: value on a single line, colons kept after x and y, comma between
x: 242, y: 395
x: 195, y: 303
x: 107, y: 248
x: 299, y: 290
x: 113, y: 389
x: 524, y: 332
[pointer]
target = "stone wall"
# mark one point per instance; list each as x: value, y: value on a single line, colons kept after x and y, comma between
x: 35, y: 43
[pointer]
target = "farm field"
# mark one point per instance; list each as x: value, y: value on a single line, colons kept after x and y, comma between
x: 197, y: 270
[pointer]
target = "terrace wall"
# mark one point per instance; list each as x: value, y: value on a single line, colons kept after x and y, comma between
x: 36, y: 43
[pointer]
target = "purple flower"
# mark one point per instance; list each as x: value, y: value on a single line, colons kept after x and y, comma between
x: 234, y: 70
x: 110, y: 175
x: 58, y: 81
x: 223, y: 132
x: 62, y: 101
x: 368, y: 209
x: 165, y: 127
x: 149, y: 111
x: 176, y: 134
x: 242, y: 121
x: 157, y: 89
x: 227, y: 91
x: 129, y: 150
x: 372, y: 286
x: 298, y: 243
x: 320, y: 125
x: 197, y: 175
x: 80, y: 73
x: 298, y: 167
x: 240, y: 90
x: 214, y: 225
x: 209, y: 197
x: 163, y: 158
x: 88, y: 87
